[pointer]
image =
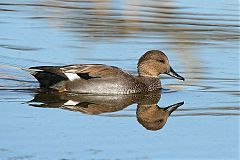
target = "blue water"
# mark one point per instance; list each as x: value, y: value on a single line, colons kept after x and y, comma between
x: 200, y: 38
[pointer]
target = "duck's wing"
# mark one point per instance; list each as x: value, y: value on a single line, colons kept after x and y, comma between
x: 88, y: 71
x: 50, y: 75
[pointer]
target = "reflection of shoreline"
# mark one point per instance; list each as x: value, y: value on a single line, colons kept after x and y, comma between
x: 103, y: 18
x: 148, y: 113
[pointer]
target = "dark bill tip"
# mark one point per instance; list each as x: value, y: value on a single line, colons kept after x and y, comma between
x: 175, y: 75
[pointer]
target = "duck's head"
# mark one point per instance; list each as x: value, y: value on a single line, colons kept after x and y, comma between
x: 153, y: 63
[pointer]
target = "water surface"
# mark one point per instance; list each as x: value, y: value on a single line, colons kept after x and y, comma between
x: 201, y: 39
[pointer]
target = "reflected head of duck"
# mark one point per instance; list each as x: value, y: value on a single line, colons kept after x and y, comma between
x: 152, y: 117
x: 153, y: 63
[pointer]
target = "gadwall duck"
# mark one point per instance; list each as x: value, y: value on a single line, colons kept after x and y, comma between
x: 103, y: 79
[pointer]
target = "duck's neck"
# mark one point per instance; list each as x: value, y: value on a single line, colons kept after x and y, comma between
x: 152, y: 83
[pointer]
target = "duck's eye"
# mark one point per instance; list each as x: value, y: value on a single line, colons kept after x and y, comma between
x: 162, y: 61
x: 160, y: 121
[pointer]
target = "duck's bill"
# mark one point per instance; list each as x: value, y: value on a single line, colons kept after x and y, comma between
x: 174, y: 74
x: 173, y: 107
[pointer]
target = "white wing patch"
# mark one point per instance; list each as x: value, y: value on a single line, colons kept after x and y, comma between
x: 70, y: 103
x: 72, y: 76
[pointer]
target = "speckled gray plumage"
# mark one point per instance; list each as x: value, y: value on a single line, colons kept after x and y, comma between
x: 122, y: 83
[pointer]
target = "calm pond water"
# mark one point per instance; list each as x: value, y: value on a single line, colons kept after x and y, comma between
x: 201, y: 39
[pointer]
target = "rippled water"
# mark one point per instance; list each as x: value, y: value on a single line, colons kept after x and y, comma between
x: 201, y: 39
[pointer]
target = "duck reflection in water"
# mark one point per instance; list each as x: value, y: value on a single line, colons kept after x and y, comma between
x: 148, y: 113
